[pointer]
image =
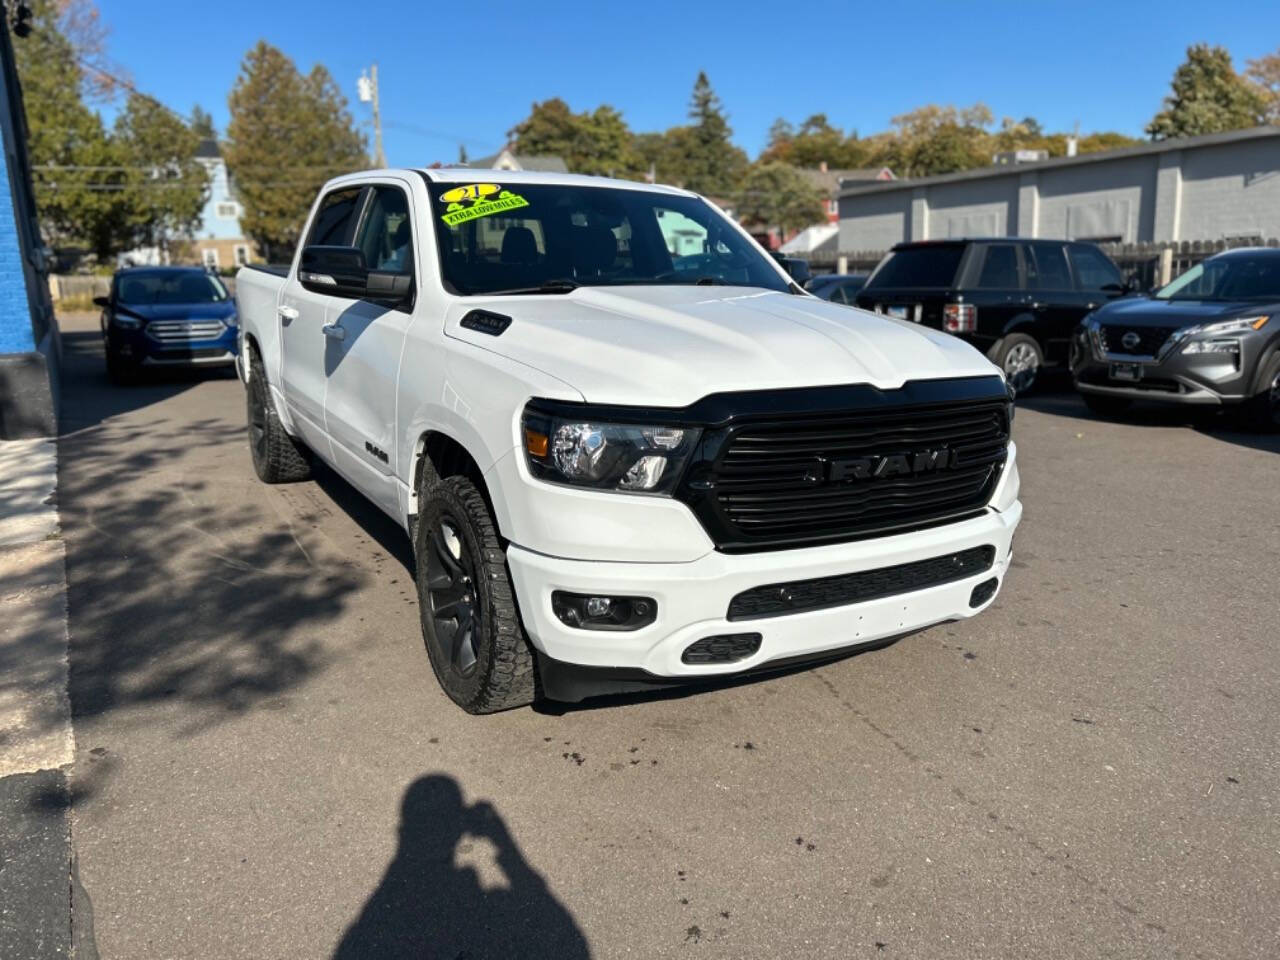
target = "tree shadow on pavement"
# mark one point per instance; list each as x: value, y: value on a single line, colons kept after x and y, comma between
x: 188, y: 584
x: 427, y: 905
x: 1211, y: 422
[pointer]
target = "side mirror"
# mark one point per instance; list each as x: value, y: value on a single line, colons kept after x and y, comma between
x: 342, y: 272
x: 1115, y: 289
x: 102, y: 302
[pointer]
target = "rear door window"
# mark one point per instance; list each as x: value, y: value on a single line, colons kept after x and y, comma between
x: 1093, y: 269
x: 923, y: 266
x: 335, y: 218
x: 1046, y: 267
x: 999, y: 270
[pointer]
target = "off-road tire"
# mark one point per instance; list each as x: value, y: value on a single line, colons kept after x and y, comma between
x: 277, y: 457
x: 1018, y: 345
x: 1261, y: 412
x: 503, y: 675
x: 1105, y: 407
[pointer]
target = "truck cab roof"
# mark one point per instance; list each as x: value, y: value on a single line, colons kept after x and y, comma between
x: 472, y: 175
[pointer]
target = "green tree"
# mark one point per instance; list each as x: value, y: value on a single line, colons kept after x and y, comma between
x: 701, y: 155
x: 202, y: 123
x: 1264, y: 74
x: 81, y: 195
x: 167, y: 185
x: 814, y: 143
x: 598, y: 143
x: 778, y: 195
x: 287, y: 135
x: 1208, y: 96
x: 937, y: 139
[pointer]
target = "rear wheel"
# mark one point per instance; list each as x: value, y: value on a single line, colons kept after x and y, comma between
x: 1262, y: 410
x: 1021, y: 358
x: 277, y: 457
x: 1106, y: 407
x: 470, y: 624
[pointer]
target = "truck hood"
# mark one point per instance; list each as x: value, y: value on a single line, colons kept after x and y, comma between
x: 1150, y: 312
x: 671, y: 345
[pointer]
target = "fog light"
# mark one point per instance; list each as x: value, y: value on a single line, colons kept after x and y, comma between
x: 983, y: 592
x: 594, y: 612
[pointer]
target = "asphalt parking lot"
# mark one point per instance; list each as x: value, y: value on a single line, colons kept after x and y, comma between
x: 265, y: 766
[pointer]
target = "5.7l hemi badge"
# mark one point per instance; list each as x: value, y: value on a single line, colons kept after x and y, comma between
x: 478, y: 200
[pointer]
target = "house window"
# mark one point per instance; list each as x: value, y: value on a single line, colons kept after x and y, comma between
x: 242, y: 254
x: 210, y: 258
x: 227, y: 211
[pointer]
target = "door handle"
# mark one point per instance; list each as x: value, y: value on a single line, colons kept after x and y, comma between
x: 333, y: 331
x: 287, y: 313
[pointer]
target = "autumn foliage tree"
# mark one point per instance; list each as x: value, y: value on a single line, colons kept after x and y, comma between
x: 1207, y: 96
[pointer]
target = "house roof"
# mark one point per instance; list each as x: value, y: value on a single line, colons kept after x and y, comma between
x: 1159, y: 146
x: 207, y: 149
x: 544, y: 164
x: 830, y: 181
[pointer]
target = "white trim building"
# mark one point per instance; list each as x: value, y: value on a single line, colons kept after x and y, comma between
x: 1223, y: 186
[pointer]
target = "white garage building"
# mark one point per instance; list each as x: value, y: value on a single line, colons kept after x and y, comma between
x: 1221, y: 187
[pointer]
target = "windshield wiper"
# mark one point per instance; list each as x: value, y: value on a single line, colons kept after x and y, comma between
x: 563, y: 285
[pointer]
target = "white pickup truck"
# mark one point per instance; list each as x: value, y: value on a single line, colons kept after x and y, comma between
x: 628, y: 449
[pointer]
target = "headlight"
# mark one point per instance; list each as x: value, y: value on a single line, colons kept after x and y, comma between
x: 586, y: 452
x: 1199, y: 339
x: 125, y: 323
x: 232, y: 321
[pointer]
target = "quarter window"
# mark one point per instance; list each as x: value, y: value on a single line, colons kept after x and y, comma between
x: 1093, y: 270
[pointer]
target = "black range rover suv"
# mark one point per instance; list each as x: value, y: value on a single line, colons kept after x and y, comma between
x: 1017, y: 300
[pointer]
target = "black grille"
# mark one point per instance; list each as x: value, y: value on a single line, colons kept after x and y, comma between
x: 1150, y: 339
x: 778, y: 599
x: 728, y: 648
x: 858, y: 473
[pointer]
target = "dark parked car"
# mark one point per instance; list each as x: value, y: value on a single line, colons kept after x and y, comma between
x: 837, y: 287
x: 1210, y: 337
x: 166, y: 317
x: 1019, y: 301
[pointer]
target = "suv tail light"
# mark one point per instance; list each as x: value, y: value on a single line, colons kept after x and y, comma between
x: 959, y: 317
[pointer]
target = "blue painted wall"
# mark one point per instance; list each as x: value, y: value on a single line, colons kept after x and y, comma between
x: 16, y: 335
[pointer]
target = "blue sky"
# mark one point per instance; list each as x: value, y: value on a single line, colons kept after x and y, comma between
x: 470, y: 71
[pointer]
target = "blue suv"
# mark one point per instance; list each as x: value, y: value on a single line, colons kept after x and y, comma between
x: 159, y: 317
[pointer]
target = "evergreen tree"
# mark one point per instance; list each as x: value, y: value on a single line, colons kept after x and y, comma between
x: 707, y: 162
x: 1208, y: 97
x: 202, y: 124
x: 288, y: 134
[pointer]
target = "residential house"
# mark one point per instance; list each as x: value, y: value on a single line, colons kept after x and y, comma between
x: 504, y: 159
x: 219, y: 241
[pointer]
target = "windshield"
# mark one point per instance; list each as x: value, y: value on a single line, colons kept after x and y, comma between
x: 169, y: 287
x: 931, y: 266
x: 528, y: 238
x: 1228, y: 278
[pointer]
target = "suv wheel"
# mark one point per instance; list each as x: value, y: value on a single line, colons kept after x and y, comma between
x: 1021, y: 358
x: 277, y: 457
x: 470, y: 624
x: 1262, y: 410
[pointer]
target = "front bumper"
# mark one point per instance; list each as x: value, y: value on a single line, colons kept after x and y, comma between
x: 693, y: 598
x: 1172, y: 376
x: 135, y: 346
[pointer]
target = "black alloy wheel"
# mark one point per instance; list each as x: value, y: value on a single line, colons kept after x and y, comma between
x: 451, y: 593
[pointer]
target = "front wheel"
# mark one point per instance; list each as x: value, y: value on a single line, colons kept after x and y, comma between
x: 122, y: 372
x: 1021, y: 358
x: 470, y: 623
x: 1262, y: 410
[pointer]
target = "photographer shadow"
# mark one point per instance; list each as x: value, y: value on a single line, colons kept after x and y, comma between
x: 428, y: 906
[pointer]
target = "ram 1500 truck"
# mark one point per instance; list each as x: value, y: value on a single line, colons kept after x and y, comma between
x: 628, y: 448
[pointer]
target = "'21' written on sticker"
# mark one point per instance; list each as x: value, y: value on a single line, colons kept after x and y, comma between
x: 477, y: 200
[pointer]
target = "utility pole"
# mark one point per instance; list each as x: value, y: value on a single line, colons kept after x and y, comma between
x: 367, y: 87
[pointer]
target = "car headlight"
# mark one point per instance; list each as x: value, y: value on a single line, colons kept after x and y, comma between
x: 125, y: 323
x: 587, y: 452
x: 232, y: 320
x: 1200, y: 339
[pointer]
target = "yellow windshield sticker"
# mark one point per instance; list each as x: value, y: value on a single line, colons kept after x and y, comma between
x: 478, y: 200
